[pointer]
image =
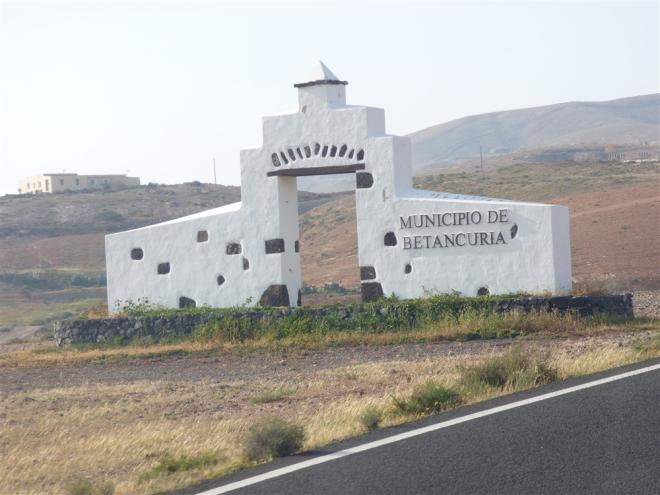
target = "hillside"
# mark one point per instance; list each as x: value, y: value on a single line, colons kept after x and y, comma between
x: 630, y: 120
x: 52, y: 258
x: 614, y: 207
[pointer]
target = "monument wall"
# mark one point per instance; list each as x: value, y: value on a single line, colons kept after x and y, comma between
x: 410, y: 242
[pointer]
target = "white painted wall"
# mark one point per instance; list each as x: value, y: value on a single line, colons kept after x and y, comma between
x: 536, y: 260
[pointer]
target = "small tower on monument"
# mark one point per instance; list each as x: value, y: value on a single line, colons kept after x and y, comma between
x: 322, y: 90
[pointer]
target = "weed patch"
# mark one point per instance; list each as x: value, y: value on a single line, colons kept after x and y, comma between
x: 515, y: 369
x: 88, y: 487
x: 274, y: 438
x: 371, y: 418
x: 271, y: 396
x: 170, y: 464
x: 428, y: 398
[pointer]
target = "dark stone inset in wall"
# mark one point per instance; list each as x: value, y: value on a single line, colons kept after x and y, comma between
x: 360, y: 155
x: 202, y: 236
x: 186, y: 302
x: 274, y: 246
x: 408, y: 268
x: 137, y: 254
x: 317, y: 148
x: 371, y: 291
x: 514, y: 231
x: 296, y: 246
x: 299, y: 301
x: 390, y: 239
x: 276, y: 160
x: 275, y: 295
x: 351, y: 153
x: 299, y: 153
x: 342, y: 150
x: 367, y: 273
x: 286, y: 162
x: 333, y: 151
x: 246, y: 264
x: 163, y: 268
x: 234, y: 248
x: 292, y: 155
x: 221, y: 280
x: 308, y: 151
x: 483, y: 291
x: 364, y: 180
x: 324, y: 153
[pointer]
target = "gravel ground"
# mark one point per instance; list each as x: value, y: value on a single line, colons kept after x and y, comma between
x: 229, y: 367
x: 647, y: 303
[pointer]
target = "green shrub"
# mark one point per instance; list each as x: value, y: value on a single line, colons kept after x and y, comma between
x: 515, y: 369
x: 274, y: 438
x: 371, y: 418
x: 428, y: 398
x: 87, y: 487
x: 173, y: 464
x: 109, y: 216
x: 271, y: 396
x: 544, y: 373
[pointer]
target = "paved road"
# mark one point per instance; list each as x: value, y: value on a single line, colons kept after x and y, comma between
x: 600, y: 440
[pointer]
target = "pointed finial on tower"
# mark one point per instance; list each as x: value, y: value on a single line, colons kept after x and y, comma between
x: 320, y: 74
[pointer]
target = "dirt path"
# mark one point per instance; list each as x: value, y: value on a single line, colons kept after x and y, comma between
x: 223, y: 367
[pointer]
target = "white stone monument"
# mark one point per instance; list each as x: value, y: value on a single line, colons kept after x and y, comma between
x: 411, y: 242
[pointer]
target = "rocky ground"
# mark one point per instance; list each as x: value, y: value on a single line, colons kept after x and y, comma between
x: 647, y: 303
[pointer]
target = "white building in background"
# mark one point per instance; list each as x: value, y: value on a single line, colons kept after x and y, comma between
x: 54, y: 183
x: 410, y: 242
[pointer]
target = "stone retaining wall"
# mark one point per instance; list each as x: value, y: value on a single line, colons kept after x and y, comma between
x: 125, y: 329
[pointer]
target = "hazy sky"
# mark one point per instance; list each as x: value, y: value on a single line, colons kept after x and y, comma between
x: 158, y: 88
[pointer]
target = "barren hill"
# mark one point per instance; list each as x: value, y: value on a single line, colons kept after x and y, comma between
x: 614, y: 207
x: 51, y: 246
x: 632, y: 120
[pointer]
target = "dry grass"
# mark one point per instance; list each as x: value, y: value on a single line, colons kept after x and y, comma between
x: 542, y: 324
x: 120, y: 431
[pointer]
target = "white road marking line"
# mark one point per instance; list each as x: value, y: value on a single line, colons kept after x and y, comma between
x: 419, y: 431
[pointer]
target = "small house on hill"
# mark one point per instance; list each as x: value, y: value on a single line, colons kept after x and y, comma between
x: 54, y: 183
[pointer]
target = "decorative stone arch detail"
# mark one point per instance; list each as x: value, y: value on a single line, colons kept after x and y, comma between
x: 314, y: 150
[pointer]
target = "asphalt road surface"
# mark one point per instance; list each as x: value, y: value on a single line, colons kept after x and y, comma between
x: 599, y: 440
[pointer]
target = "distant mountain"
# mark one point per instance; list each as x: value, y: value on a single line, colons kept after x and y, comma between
x: 632, y: 120
x: 625, y: 121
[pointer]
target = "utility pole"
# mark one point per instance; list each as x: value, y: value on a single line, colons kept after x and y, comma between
x: 481, y: 159
x: 215, y: 179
